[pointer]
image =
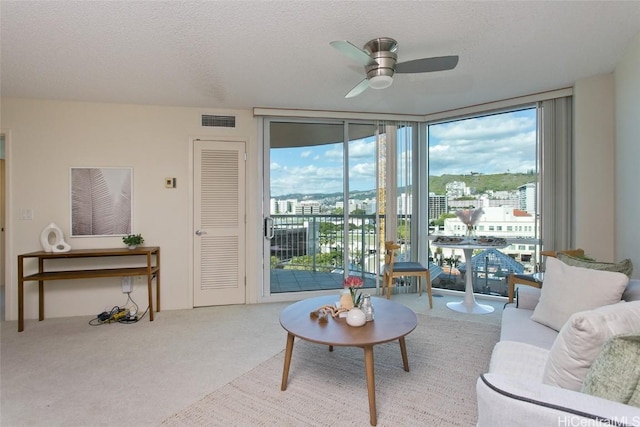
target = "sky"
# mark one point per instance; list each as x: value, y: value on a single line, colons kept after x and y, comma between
x: 492, y: 144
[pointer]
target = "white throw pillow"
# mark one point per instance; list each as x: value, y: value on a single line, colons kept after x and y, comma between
x: 582, y: 338
x: 567, y: 290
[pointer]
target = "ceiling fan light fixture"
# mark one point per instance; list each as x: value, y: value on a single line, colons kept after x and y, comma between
x: 380, y: 82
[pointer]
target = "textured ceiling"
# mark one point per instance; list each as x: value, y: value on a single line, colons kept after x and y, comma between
x: 246, y: 54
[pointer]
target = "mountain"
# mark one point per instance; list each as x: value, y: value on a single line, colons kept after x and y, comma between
x: 437, y: 184
x: 481, y: 183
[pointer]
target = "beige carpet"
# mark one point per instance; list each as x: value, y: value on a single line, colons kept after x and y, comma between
x: 325, y: 388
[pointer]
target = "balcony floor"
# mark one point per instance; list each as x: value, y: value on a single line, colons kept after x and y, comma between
x: 283, y: 280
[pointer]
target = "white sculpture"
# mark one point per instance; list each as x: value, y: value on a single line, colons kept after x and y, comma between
x: 52, y: 239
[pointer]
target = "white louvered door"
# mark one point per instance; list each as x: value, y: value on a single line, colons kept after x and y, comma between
x: 219, y: 223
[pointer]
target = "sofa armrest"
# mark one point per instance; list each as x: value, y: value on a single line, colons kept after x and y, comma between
x: 505, y: 400
x: 528, y: 297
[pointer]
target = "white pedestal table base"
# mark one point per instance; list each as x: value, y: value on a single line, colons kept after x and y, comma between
x: 469, y: 304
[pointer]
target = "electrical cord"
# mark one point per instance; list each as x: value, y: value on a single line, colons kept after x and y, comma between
x: 119, y: 314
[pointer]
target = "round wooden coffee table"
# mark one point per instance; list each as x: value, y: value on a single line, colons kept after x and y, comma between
x: 392, y: 322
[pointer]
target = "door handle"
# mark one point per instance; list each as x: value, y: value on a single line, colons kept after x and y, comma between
x: 200, y: 232
x: 269, y: 231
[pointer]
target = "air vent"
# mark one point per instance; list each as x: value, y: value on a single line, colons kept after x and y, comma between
x: 209, y: 120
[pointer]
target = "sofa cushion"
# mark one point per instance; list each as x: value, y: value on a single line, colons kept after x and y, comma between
x: 518, y: 326
x: 523, y: 360
x: 615, y: 374
x: 528, y: 297
x: 625, y: 266
x: 581, y: 340
x: 568, y: 290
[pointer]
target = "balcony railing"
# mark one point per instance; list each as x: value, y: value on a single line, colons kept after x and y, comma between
x: 316, y: 243
x: 308, y: 252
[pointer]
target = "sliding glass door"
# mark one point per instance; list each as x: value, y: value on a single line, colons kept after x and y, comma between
x: 321, y: 203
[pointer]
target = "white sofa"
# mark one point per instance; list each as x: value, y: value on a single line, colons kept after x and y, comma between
x: 512, y: 393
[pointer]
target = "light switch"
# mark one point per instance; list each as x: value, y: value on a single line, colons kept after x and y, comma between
x: 170, y: 182
x: 26, y: 214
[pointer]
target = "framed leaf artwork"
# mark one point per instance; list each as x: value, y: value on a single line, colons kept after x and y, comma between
x: 101, y: 201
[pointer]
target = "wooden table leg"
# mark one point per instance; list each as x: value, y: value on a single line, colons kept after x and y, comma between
x: 158, y: 281
x: 40, y: 300
x: 287, y: 361
x: 371, y: 383
x: 40, y: 291
x: 150, y: 291
x: 403, y: 351
x: 20, y: 295
x: 150, y: 286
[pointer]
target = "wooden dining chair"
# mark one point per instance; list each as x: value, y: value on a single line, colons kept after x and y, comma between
x: 532, y: 279
x: 393, y: 269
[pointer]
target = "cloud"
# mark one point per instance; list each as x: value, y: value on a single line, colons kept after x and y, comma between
x: 491, y: 144
x: 307, y: 179
x: 362, y: 149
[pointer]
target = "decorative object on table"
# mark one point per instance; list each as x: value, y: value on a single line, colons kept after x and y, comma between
x: 497, y: 242
x: 356, y: 317
x: 52, y: 239
x: 101, y: 201
x: 133, y: 240
x: 321, y: 313
x: 353, y: 283
x: 367, y: 307
x: 346, y: 300
x: 470, y: 218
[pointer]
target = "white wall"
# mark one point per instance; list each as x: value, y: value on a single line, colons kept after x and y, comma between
x: 627, y: 159
x: 46, y: 138
x: 593, y: 177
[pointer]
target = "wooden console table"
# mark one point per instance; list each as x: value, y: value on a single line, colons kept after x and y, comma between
x: 150, y: 270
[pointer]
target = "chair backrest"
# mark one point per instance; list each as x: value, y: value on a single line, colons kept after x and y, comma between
x: 389, y: 253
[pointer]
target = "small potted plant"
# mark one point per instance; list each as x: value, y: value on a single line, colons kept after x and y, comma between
x: 133, y: 240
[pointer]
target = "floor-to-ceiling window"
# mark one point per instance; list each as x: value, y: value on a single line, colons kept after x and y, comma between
x: 335, y: 190
x: 515, y: 165
x: 487, y: 162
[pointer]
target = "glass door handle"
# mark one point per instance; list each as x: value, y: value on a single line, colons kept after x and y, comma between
x: 269, y: 231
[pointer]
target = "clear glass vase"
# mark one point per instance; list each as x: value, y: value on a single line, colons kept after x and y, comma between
x: 471, y: 231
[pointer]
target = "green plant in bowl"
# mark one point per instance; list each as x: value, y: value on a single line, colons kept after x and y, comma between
x: 133, y: 240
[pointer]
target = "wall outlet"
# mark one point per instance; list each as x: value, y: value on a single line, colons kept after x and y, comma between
x: 127, y: 285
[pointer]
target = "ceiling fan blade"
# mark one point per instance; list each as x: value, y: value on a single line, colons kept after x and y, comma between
x: 358, y: 89
x: 424, y: 65
x: 353, y: 52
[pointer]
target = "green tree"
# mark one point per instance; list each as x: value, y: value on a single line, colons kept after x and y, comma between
x: 440, y: 220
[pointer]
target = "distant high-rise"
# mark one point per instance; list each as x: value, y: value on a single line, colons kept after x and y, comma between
x: 528, y: 198
x: 437, y: 205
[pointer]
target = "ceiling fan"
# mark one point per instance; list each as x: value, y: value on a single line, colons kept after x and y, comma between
x: 379, y: 59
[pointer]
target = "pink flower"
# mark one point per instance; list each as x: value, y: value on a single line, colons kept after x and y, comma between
x: 353, y: 282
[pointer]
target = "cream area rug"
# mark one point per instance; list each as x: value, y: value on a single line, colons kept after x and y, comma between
x: 329, y: 388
